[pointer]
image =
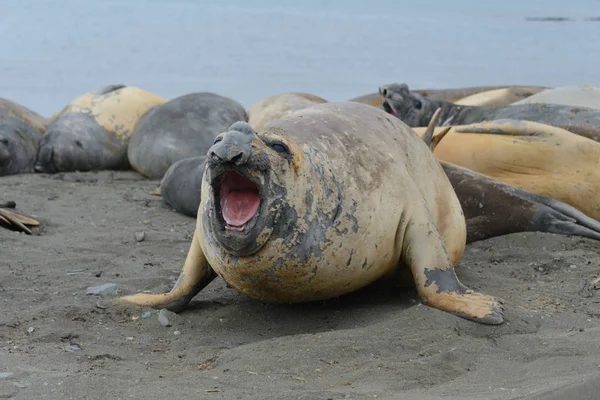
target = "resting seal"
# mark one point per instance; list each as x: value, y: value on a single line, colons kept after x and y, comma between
x: 416, y: 110
x: 92, y: 132
x: 18, y: 146
x: 181, y: 185
x: 180, y: 128
x: 279, y: 105
x: 499, y: 97
x: 323, y: 202
x: 452, y: 95
x: 576, y: 96
x: 537, y: 158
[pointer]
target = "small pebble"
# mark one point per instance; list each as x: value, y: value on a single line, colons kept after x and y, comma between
x: 108, y: 289
x: 21, y: 385
x: 30, y: 329
x: 572, y: 266
x: 140, y: 236
x: 4, y: 375
x: 177, y: 333
x: 73, y: 347
x: 146, y: 315
x: 167, y: 318
x: 129, y: 338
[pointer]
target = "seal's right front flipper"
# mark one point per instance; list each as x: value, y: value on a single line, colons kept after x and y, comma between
x: 435, y: 279
x: 194, y: 277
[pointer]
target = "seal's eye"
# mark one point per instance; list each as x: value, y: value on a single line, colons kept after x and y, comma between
x: 218, y: 139
x: 279, y: 147
x: 418, y: 104
x: 4, y: 142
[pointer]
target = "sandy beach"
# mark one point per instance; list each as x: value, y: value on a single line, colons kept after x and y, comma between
x: 58, y: 342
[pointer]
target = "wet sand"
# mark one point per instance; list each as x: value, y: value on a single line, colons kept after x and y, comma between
x: 375, y: 343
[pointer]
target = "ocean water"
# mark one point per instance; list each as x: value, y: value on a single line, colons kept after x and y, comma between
x: 51, y: 51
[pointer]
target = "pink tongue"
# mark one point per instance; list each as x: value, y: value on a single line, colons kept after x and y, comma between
x: 239, y: 207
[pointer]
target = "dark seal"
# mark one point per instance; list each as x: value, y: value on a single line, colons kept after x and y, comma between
x: 416, y: 110
x: 180, y: 128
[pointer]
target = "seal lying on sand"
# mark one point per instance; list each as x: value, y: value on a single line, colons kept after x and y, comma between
x: 279, y: 105
x: 182, y: 127
x: 416, y: 111
x: 577, y: 96
x: 290, y: 215
x: 181, y: 185
x: 499, y: 97
x: 11, y: 109
x: 537, y: 158
x: 452, y: 95
x: 19, y: 143
x: 93, y: 131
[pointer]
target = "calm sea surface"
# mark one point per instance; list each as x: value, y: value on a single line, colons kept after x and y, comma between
x: 52, y: 51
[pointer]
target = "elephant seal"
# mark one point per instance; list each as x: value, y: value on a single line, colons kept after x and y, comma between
x: 494, y: 208
x: 576, y: 96
x: 451, y: 95
x: 535, y: 157
x: 289, y: 214
x: 11, y: 109
x: 93, y: 131
x: 180, y: 128
x: 499, y: 97
x: 277, y: 106
x: 19, y: 143
x: 416, y: 111
x: 180, y: 187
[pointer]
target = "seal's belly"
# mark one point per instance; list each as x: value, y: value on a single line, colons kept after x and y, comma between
x: 274, y: 276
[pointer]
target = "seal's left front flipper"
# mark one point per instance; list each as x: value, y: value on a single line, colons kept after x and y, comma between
x: 436, y: 281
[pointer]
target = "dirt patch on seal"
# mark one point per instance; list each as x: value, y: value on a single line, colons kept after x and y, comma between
x: 376, y: 343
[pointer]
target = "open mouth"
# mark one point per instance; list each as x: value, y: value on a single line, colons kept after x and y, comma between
x: 388, y: 108
x: 239, y: 200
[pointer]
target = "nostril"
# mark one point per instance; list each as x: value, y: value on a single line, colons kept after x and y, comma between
x: 237, y: 158
x: 384, y: 92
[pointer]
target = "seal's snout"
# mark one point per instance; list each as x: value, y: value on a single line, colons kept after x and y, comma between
x: 236, y: 145
x: 228, y: 154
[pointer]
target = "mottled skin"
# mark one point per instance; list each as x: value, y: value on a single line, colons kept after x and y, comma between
x: 279, y: 105
x: 19, y: 143
x: 494, y: 208
x: 180, y: 128
x: 499, y: 97
x: 416, y: 111
x: 354, y: 196
x: 93, y: 131
x: 577, y: 96
x: 537, y: 158
x: 452, y: 95
x: 180, y: 187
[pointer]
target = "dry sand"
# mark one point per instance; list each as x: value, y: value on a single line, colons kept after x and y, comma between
x: 376, y: 343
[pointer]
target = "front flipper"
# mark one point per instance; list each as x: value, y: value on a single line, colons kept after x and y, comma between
x: 424, y: 251
x: 194, y: 277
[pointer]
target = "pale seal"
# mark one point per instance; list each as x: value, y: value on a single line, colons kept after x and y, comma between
x: 321, y: 203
